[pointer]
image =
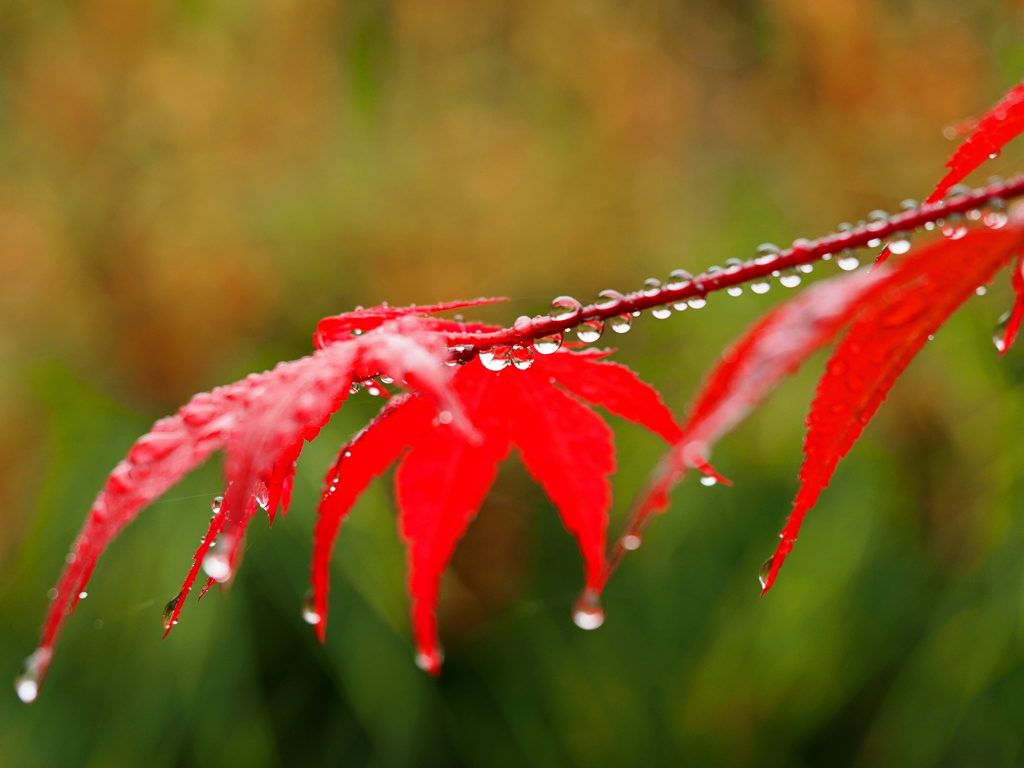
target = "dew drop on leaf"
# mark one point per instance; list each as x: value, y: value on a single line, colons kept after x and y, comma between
x: 168, y: 614
x: 621, y: 323
x: 590, y: 331
x: 309, y: 612
x: 588, y: 612
x: 565, y: 308
x: 999, y: 334
x: 521, y: 357
x: 766, y: 569
x: 547, y: 345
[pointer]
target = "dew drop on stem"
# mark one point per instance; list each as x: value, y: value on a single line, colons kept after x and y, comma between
x: 620, y: 323
x: 609, y: 298
x: 677, y: 278
x: 662, y: 311
x: 546, y: 345
x: 697, y: 302
x: 521, y: 356
x: 848, y: 260
x: 565, y: 308
x: 652, y: 286
x: 590, y: 330
x: 495, y: 359
x: 789, y: 278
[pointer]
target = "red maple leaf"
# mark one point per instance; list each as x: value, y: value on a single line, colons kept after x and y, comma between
x: 444, y: 478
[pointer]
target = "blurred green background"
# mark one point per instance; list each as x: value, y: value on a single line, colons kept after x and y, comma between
x: 187, y: 186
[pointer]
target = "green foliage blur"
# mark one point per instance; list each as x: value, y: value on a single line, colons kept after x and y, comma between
x: 186, y: 186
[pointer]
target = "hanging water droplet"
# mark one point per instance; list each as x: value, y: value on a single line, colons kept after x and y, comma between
x: 661, y: 312
x: 995, y: 215
x: 590, y: 330
x: 874, y: 242
x: 677, y: 278
x: 521, y: 357
x: 899, y: 244
x: 909, y: 204
x: 168, y: 614
x: 697, y: 302
x: 789, y: 278
x: 26, y: 684
x: 547, y: 345
x: 760, y: 285
x: 734, y: 290
x: 310, y: 615
x: 588, y: 612
x: 848, y: 260
x: 353, y: 389
x: 565, y: 308
x: 708, y: 480
x: 609, y: 299
x: 631, y: 541
x: 652, y: 286
x: 620, y: 323
x: 765, y: 572
x: 999, y: 334
x: 495, y: 360
x: 953, y: 226
x: 217, y: 566
x: 981, y: 290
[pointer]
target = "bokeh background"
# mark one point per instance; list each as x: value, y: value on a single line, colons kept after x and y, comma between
x: 186, y: 186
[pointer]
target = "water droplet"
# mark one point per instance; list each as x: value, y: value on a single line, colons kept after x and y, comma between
x: 429, y: 662
x: 620, y: 323
x: 677, y: 278
x: 995, y: 215
x: 70, y: 557
x: 168, y: 614
x: 521, y: 357
x: 590, y: 330
x: 953, y: 226
x: 386, y: 379
x: 734, y: 290
x: 789, y: 278
x: 217, y: 566
x: 215, y: 504
x: 760, y: 285
x: 565, y: 308
x: 981, y: 290
x: 588, y: 613
x: 708, y: 480
x: 522, y: 324
x: 310, y: 615
x: 353, y: 389
x: 958, y: 189
x: 994, y: 154
x: 609, y: 298
x: 52, y: 593
x: 999, y: 334
x: 661, y: 312
x: 547, y: 345
x: 26, y: 684
x: 82, y: 595
x: 443, y: 417
x: 874, y: 242
x: 848, y: 260
x: 767, y: 249
x: 495, y: 360
x: 697, y: 302
x: 631, y: 541
x: 652, y: 286
x: 899, y: 244
x: 909, y: 204
x: 372, y: 390
x: 766, y: 569
x: 877, y: 220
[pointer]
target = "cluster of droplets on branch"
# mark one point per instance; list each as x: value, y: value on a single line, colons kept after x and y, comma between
x: 545, y: 334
